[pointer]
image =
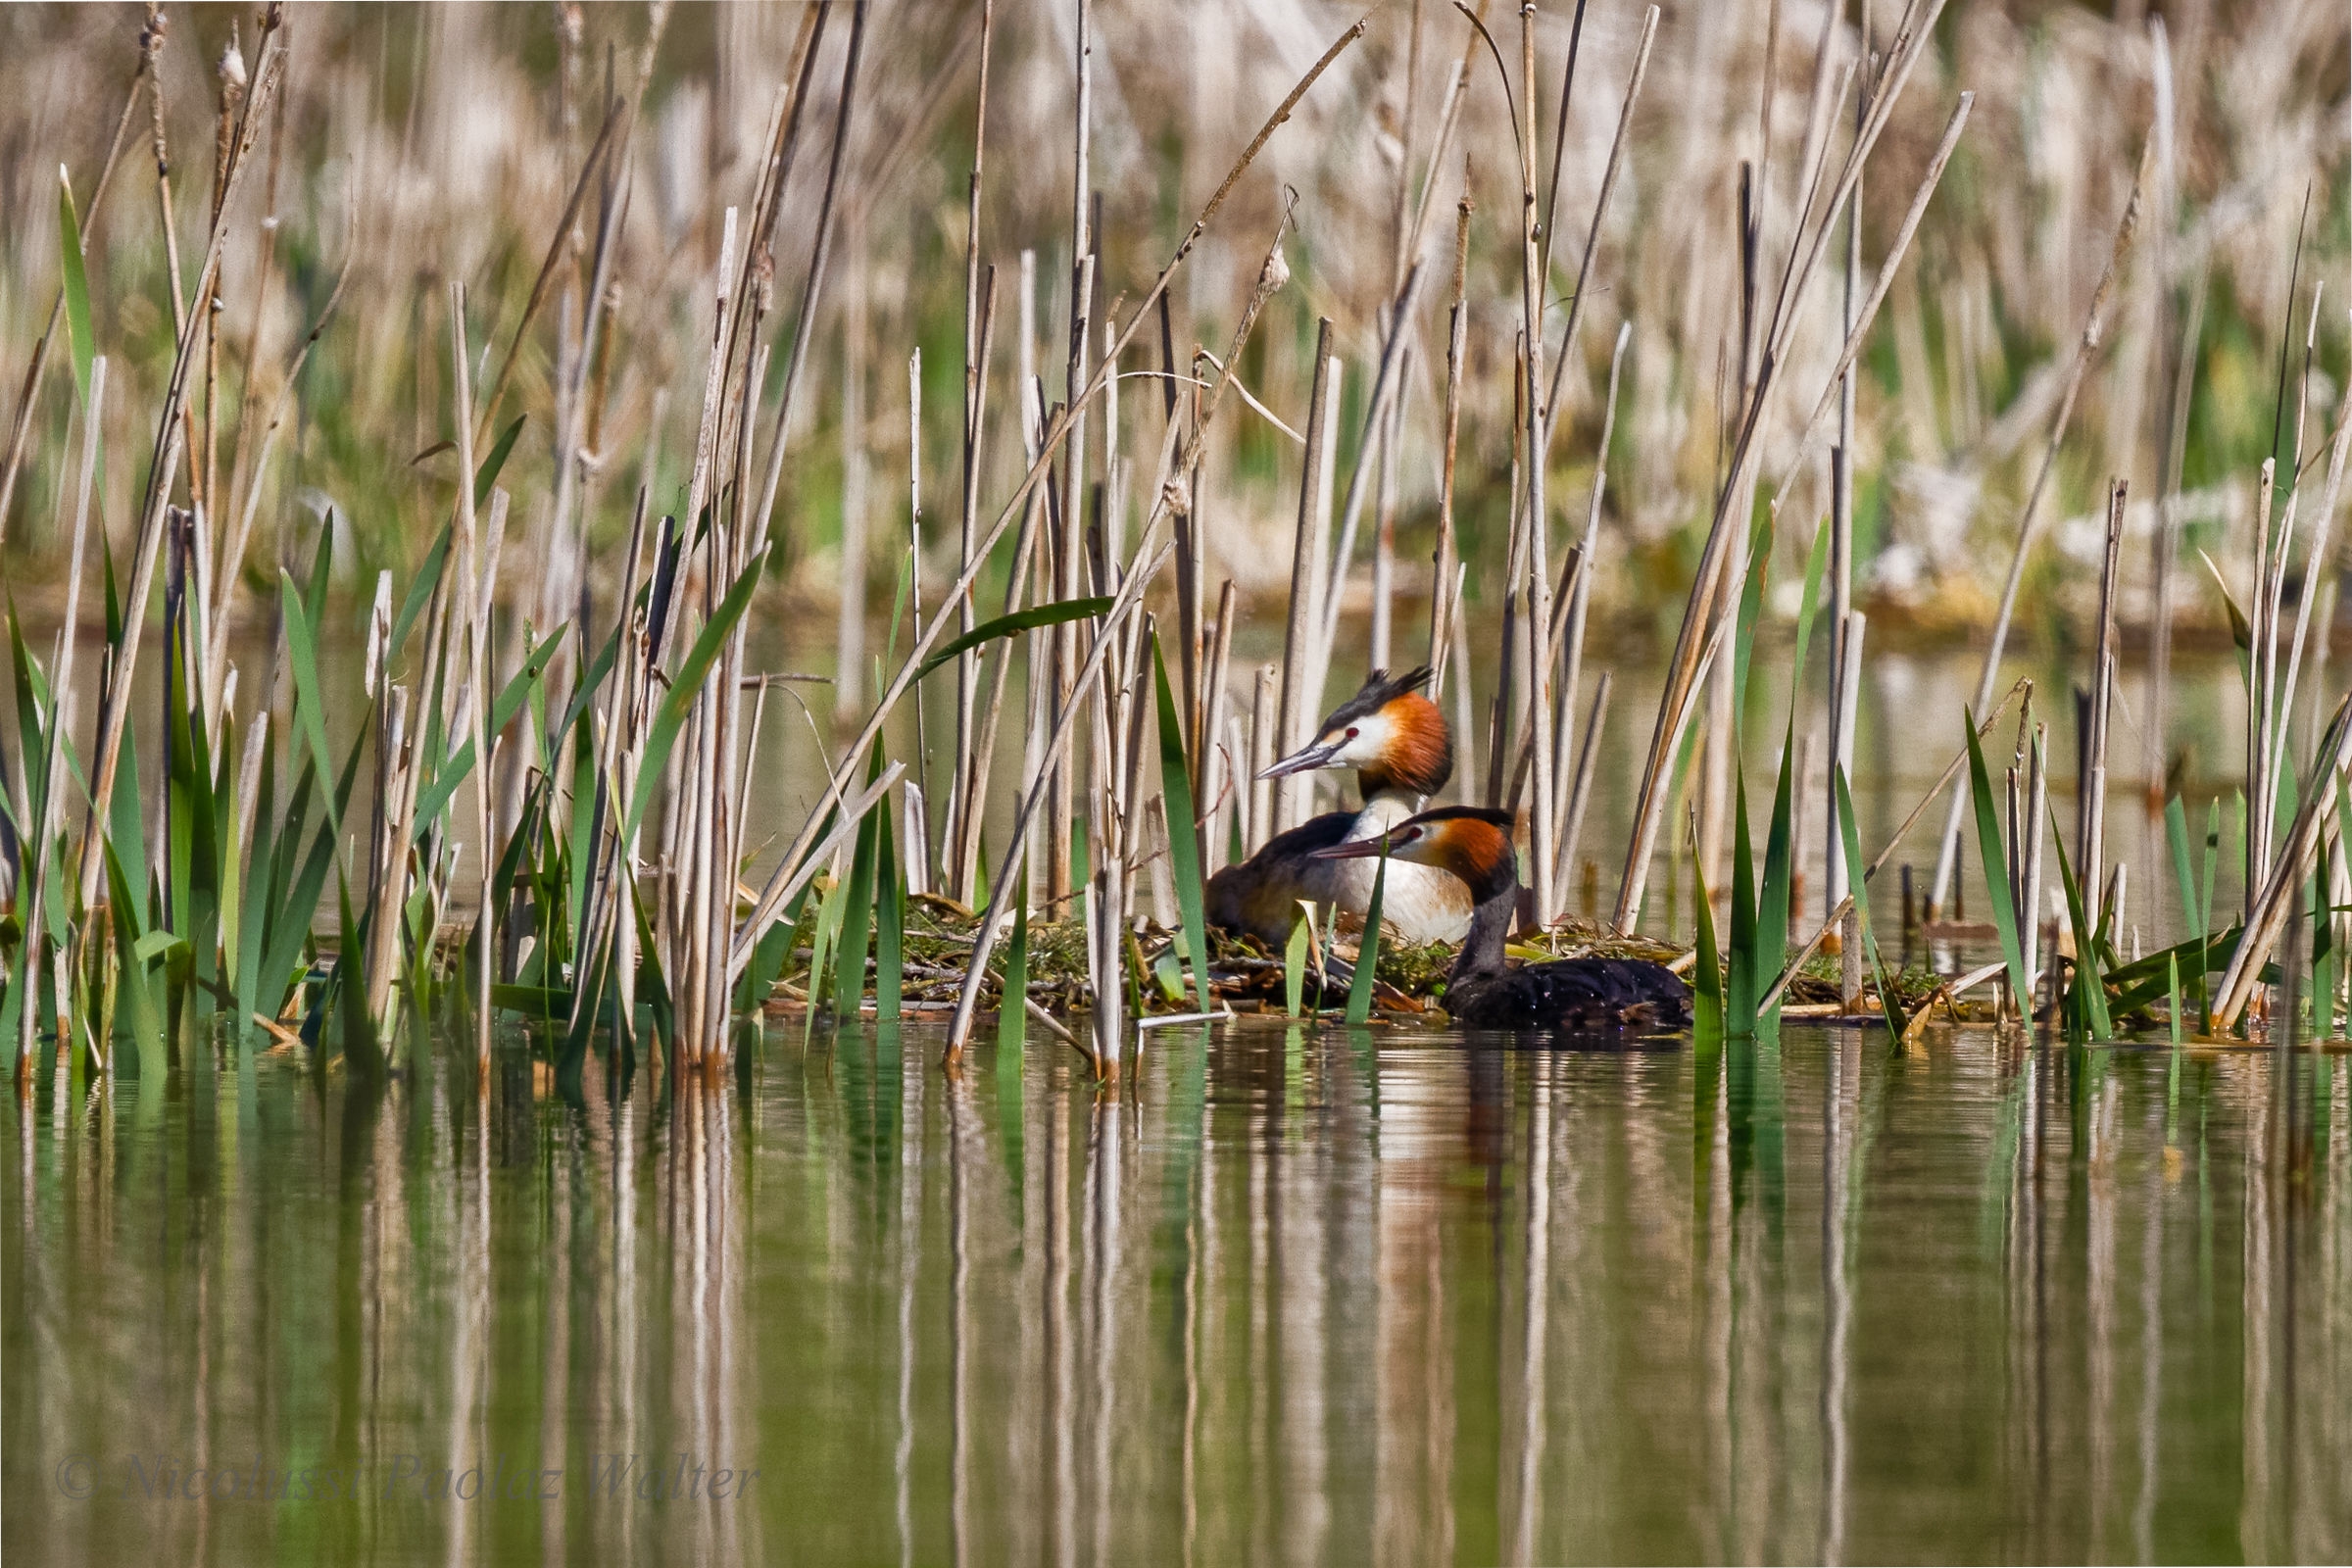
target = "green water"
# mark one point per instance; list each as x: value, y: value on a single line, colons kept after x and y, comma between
x: 1291, y: 1297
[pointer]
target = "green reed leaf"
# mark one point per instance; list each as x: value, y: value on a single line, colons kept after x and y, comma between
x: 1890, y: 1003
x: 1996, y: 869
x: 1184, y: 837
x: 1367, y: 957
x: 1029, y: 619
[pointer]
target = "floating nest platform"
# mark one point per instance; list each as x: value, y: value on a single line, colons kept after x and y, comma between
x: 1408, y: 978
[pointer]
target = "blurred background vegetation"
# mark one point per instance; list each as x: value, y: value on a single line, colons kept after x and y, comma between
x: 420, y: 143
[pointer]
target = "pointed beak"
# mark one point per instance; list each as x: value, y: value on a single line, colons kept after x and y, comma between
x: 1304, y: 761
x: 1352, y: 850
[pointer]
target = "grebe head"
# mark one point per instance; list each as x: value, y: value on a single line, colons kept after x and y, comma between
x: 1387, y: 732
x: 1470, y: 842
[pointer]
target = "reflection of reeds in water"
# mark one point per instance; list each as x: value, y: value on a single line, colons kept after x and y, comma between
x: 1331, y: 1266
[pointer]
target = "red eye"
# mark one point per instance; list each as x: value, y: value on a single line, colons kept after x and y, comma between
x: 1352, y: 732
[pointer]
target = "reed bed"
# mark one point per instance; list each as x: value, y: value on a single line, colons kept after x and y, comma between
x: 531, y: 799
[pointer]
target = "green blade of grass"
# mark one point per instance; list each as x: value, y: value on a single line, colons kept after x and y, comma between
x: 1772, y: 907
x: 1184, y: 837
x: 1744, y: 630
x: 2171, y: 977
x: 431, y: 801
x: 771, y: 954
x: 290, y: 925
x: 890, y: 921
x: 1996, y: 869
x: 78, y: 337
x: 421, y: 592
x: 485, y: 472
x: 261, y: 880
x: 309, y: 708
x: 2176, y: 833
x: 821, y: 951
x: 856, y: 936
x: 1012, y: 1012
x: 1890, y: 1003
x: 2086, y: 995
x: 1740, y: 990
x: 1030, y: 620
x: 686, y: 686
x: 1706, y: 971
x: 1294, y: 966
x: 1368, y: 957
x: 2213, y: 850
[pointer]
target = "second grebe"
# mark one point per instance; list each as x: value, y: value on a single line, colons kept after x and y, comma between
x: 1483, y: 991
x: 1398, y: 743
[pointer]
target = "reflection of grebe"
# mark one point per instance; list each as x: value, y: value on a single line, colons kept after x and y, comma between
x: 1483, y: 991
x: 1398, y: 743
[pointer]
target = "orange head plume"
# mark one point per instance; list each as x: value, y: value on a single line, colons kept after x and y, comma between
x: 1470, y: 842
x: 1391, y: 735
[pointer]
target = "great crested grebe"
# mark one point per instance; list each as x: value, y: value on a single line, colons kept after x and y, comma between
x: 1398, y: 743
x: 1483, y: 992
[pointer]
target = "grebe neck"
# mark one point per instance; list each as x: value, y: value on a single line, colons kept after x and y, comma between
x: 1384, y: 808
x: 1482, y: 956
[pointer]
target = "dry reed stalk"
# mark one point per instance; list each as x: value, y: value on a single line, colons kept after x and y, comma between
x: 979, y: 325
x: 1129, y: 599
x: 2268, y: 910
x: 1845, y: 707
x: 234, y: 544
x: 849, y: 661
x: 2029, y: 894
x: 1192, y: 555
x: 1298, y: 708
x: 2316, y: 558
x: 1055, y: 432
x: 1507, y: 701
x: 1386, y: 380
x: 2094, y: 326
x: 1265, y: 748
x: 812, y: 284
x: 1841, y: 542
x: 613, y: 717
x: 1580, y: 794
x: 1444, y: 596
x: 1844, y: 906
x: 1726, y: 534
x: 2171, y: 413
x: 1538, y: 447
x: 2274, y: 540
x: 114, y: 710
x: 1550, y: 652
x: 2277, y: 697
x: 558, y: 244
x: 1212, y: 758
x: 1383, y: 535
x: 22, y: 425
x: 1600, y: 207
x: 1077, y: 353
x: 474, y: 623
x: 984, y: 745
x: 32, y: 891
x: 2090, y: 843
x: 2257, y: 715
x: 919, y: 850
x: 231, y: 70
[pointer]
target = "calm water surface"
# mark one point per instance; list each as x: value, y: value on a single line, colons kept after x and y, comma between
x: 1313, y: 1295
